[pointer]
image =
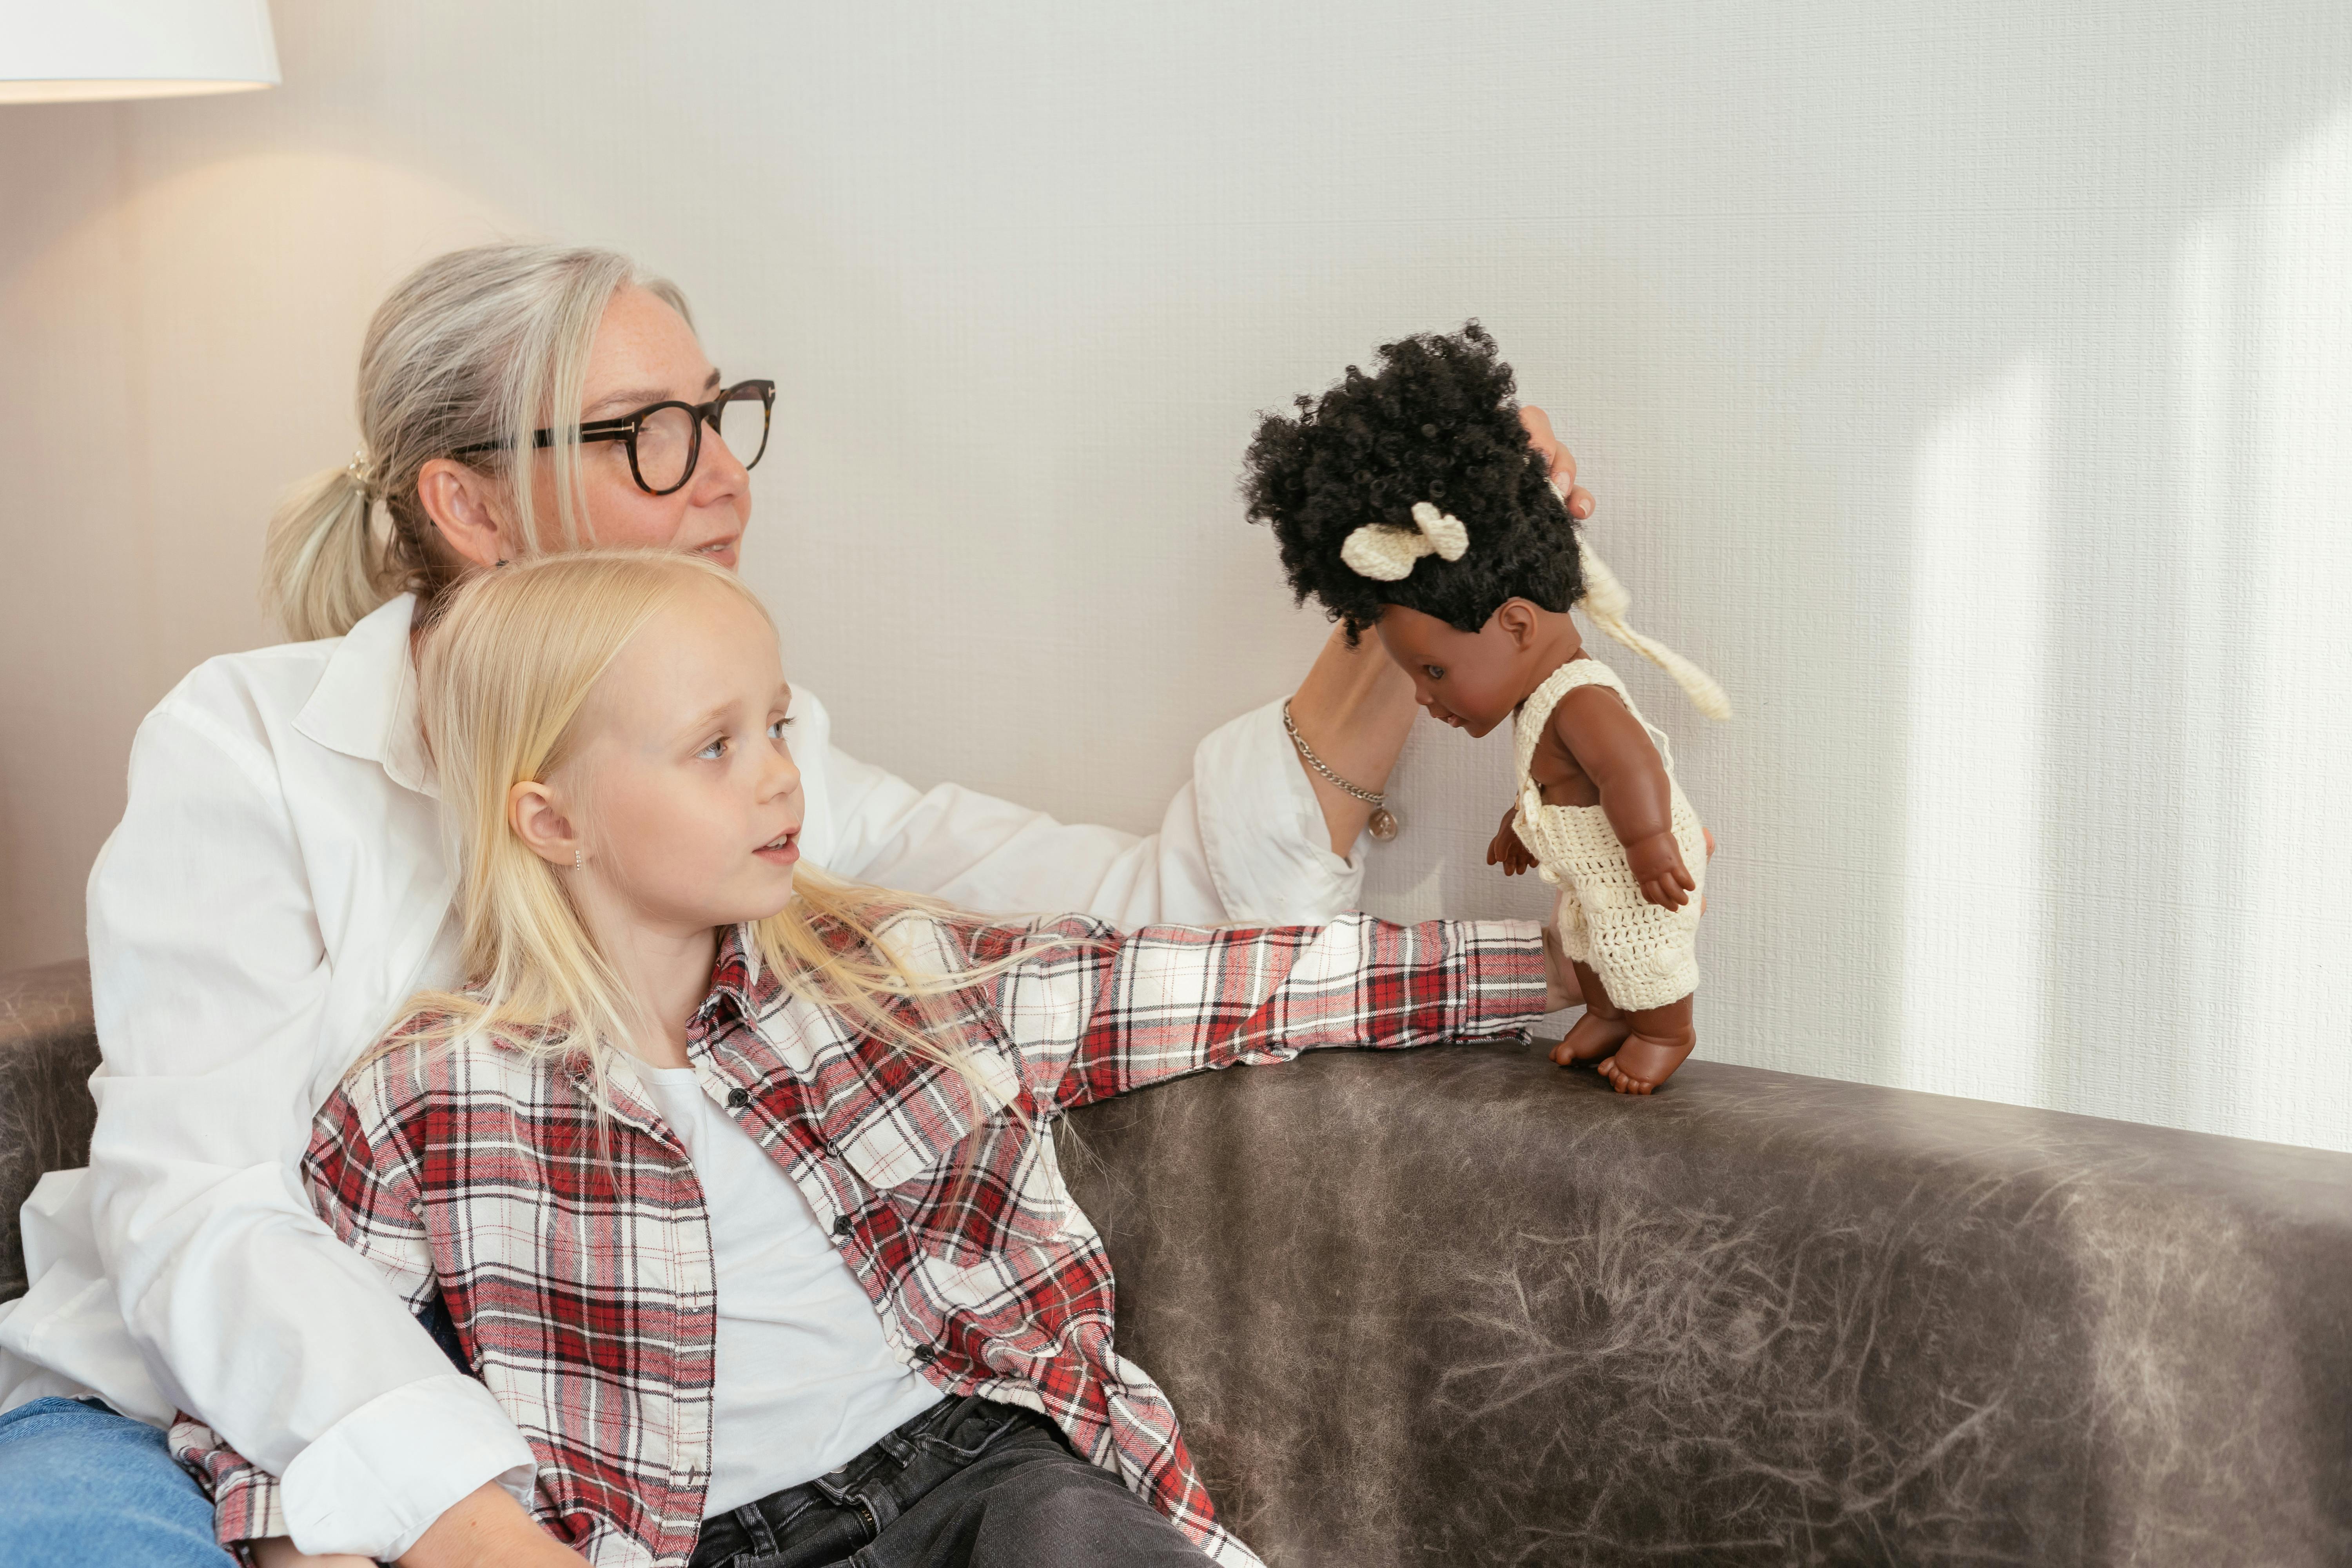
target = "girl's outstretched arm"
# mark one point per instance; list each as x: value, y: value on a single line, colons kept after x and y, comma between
x: 1095, y: 1019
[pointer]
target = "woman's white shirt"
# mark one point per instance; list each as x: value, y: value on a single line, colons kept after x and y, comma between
x: 804, y: 1379
x: 278, y: 884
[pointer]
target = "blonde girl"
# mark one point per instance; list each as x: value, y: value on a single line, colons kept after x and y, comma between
x: 737, y: 1184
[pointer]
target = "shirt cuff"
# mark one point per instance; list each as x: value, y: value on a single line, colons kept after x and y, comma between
x: 375, y: 1481
x: 1262, y: 831
x: 1504, y: 987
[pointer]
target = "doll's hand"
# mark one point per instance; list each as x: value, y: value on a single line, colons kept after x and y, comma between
x: 1563, y: 462
x: 1506, y: 851
x: 1657, y: 866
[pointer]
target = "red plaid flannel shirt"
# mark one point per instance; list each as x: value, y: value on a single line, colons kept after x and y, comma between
x: 573, y: 1256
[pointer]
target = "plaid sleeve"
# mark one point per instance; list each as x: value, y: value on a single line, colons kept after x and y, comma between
x: 246, y: 1505
x: 367, y: 1194
x: 1107, y: 1017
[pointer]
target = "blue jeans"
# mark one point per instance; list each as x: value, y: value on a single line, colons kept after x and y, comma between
x: 80, y: 1485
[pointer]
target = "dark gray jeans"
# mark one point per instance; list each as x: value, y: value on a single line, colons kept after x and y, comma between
x: 970, y: 1483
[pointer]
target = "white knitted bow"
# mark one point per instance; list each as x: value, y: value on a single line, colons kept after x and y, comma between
x: 1385, y: 551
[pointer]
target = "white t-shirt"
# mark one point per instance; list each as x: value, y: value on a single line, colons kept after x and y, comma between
x: 805, y: 1380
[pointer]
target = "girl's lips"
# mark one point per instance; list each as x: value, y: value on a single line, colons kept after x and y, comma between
x: 782, y: 851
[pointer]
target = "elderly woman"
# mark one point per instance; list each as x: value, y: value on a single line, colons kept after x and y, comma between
x: 279, y: 883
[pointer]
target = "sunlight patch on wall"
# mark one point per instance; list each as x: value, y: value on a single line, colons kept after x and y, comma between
x: 1972, y: 1018
x: 2295, y: 1065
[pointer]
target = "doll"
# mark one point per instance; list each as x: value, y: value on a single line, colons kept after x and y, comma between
x: 1410, y: 502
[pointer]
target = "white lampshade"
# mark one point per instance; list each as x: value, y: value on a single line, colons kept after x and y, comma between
x: 58, y: 51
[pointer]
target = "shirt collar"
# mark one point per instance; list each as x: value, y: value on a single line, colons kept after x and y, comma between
x: 738, y: 976
x: 364, y: 705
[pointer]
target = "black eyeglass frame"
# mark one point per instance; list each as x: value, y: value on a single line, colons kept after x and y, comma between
x: 626, y: 427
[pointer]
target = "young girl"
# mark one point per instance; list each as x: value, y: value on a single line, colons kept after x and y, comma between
x: 737, y: 1185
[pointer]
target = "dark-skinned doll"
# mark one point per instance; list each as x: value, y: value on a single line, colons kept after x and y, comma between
x: 1408, y: 502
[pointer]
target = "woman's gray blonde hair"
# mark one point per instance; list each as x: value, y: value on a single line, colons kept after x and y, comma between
x: 477, y: 348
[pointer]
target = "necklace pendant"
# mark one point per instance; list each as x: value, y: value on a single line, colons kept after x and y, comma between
x: 1383, y: 824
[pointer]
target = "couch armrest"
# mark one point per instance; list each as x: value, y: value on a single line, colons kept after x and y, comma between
x: 49, y: 1048
x: 1457, y: 1305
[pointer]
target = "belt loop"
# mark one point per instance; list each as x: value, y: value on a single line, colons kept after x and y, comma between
x: 753, y: 1519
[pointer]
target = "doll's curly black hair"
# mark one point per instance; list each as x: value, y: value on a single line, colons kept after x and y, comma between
x: 1435, y: 422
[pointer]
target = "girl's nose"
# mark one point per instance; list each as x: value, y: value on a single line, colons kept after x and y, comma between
x: 783, y: 774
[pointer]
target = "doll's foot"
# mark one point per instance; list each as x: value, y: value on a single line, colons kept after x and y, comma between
x: 1592, y: 1037
x: 1645, y: 1061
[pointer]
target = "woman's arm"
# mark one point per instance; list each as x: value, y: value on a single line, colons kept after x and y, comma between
x: 1255, y: 836
x: 1095, y: 1019
x: 364, y: 1187
x: 211, y: 988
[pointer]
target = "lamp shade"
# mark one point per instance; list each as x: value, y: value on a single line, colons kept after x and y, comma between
x: 58, y: 51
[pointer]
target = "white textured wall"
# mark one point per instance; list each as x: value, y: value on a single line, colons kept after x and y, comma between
x: 1969, y: 388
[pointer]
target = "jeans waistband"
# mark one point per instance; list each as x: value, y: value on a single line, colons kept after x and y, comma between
x: 864, y: 1484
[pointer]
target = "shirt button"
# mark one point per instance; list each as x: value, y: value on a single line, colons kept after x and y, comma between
x: 842, y: 1227
x: 739, y: 1098
x: 926, y: 1354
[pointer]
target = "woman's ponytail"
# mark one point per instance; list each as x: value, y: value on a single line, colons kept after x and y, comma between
x: 470, y: 353
x: 323, y: 569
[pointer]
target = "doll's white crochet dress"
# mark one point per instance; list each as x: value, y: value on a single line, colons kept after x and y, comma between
x: 1645, y: 956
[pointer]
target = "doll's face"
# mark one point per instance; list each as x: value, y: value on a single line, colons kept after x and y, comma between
x: 1471, y: 680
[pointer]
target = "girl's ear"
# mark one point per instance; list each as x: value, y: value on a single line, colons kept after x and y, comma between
x: 538, y: 820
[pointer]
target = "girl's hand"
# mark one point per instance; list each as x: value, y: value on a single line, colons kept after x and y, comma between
x: 1657, y: 866
x: 1507, y: 850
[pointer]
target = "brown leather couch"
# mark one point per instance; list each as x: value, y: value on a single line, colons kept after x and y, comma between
x: 1459, y: 1307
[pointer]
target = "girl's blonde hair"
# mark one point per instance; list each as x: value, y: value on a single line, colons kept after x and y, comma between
x: 502, y: 678
x: 477, y: 348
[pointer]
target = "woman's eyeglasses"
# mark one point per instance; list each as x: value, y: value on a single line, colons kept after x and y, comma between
x: 665, y: 439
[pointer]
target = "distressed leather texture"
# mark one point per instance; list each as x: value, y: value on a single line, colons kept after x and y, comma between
x: 49, y: 1048
x: 1459, y: 1306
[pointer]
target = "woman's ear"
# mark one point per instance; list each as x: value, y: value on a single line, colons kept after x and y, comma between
x: 466, y: 505
x: 538, y: 819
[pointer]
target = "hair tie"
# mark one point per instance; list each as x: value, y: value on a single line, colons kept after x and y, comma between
x: 1386, y: 552
x: 361, y: 471
x: 1605, y: 603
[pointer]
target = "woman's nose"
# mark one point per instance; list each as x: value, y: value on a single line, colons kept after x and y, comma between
x: 720, y: 472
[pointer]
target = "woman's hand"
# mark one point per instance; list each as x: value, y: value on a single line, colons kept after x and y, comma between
x: 280, y: 1551
x: 1507, y: 850
x: 1563, y: 462
x: 488, y: 1529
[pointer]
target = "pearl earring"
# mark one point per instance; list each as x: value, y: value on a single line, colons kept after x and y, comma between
x: 578, y: 861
